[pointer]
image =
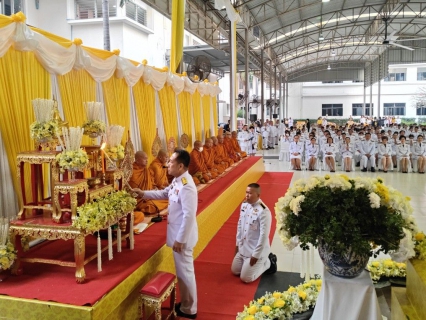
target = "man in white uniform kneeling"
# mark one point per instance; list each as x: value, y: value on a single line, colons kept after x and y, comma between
x: 253, y: 255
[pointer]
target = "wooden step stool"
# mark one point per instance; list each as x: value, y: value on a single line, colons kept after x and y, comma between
x: 156, y: 291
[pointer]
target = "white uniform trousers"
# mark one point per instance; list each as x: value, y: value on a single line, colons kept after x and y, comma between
x: 265, y: 141
x: 241, y: 266
x: 184, y: 263
x: 364, y: 161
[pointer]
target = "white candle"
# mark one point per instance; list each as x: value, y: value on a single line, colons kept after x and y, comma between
x: 99, y: 254
x: 109, y: 243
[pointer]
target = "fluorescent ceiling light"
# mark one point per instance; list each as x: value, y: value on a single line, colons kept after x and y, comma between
x: 333, y: 53
x: 328, y: 68
x: 325, y: 0
x: 321, y: 37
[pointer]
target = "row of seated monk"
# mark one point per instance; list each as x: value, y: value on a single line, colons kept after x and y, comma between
x: 206, y: 164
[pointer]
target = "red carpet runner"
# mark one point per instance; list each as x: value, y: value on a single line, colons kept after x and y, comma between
x: 54, y: 283
x: 220, y: 294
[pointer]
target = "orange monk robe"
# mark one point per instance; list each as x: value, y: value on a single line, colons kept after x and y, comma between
x: 143, y: 179
x: 197, y: 165
x: 209, y: 155
x: 222, y: 155
x: 160, y: 173
x: 237, y: 147
x: 230, y: 149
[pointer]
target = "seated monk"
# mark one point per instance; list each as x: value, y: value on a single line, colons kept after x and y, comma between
x: 221, y: 152
x: 143, y: 179
x: 159, y: 170
x: 209, y: 155
x: 236, y: 145
x: 197, y: 165
x: 229, y: 148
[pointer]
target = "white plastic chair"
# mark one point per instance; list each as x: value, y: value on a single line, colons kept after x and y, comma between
x: 284, y: 151
x: 352, y: 164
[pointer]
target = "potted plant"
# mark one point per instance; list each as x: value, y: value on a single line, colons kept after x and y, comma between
x: 348, y: 220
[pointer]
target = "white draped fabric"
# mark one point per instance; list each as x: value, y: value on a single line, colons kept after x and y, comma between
x: 134, y: 124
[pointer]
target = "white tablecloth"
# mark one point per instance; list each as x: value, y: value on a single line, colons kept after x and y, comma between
x: 348, y: 299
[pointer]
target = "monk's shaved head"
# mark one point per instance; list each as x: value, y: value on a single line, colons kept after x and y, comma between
x: 141, y: 158
x: 197, y: 144
x: 161, y: 153
x: 209, y: 142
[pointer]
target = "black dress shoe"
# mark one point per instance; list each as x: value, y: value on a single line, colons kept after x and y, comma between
x: 364, y: 170
x: 373, y: 170
x: 273, y: 268
x: 183, y: 314
x: 357, y: 164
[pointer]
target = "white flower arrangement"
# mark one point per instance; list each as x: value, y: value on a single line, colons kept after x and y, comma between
x: 7, y: 255
x: 115, y: 153
x: 94, y: 124
x: 99, y: 214
x: 301, y: 219
x: 44, y: 127
x: 283, y: 305
x: 114, y: 149
x: 386, y: 268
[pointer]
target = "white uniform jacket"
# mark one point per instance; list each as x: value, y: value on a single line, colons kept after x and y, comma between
x: 296, y: 147
x: 385, y: 149
x: 312, y: 150
x: 368, y: 147
x: 329, y: 148
x: 183, y: 200
x: 243, y: 137
x: 403, y: 150
x: 253, y: 230
x: 347, y: 150
x: 419, y: 149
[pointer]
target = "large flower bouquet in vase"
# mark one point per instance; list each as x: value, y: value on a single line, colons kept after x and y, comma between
x: 112, y: 148
x: 8, y: 253
x: 348, y: 220
x: 94, y: 126
x: 72, y: 157
x: 44, y: 128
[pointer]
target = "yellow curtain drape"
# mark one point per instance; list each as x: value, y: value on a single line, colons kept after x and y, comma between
x: 77, y: 86
x: 178, y: 24
x: 186, y: 115
x: 196, y: 102
x: 145, y: 108
x: 5, y: 21
x: 117, y: 103
x: 206, y: 114
x: 22, y: 79
x: 168, y: 108
x: 215, y: 116
x: 59, y: 40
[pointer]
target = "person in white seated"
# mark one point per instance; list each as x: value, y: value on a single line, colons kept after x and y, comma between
x: 403, y: 154
x: 243, y: 139
x: 252, y: 141
x: 329, y: 154
x: 368, y: 149
x: 312, y: 154
x: 385, y: 154
x: 296, y: 151
x: 419, y: 154
x: 347, y: 152
x: 394, y: 141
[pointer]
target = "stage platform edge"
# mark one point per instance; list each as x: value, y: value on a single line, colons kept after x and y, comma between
x: 122, y: 302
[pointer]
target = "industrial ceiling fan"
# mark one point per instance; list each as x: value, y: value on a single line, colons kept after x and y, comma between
x: 391, y: 39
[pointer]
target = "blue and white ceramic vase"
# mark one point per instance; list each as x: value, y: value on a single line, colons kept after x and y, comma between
x: 347, y: 265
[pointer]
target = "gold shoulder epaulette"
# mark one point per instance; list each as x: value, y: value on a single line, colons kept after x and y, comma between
x: 262, y: 205
x: 184, y: 181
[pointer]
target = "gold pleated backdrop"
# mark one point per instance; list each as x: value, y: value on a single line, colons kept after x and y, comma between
x: 22, y: 79
x: 117, y: 103
x: 196, y: 102
x: 168, y: 108
x: 206, y: 114
x: 186, y: 116
x: 77, y: 86
x: 215, y: 116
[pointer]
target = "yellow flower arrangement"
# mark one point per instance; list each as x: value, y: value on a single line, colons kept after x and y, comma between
x: 386, y: 268
x: 72, y: 160
x: 7, y: 255
x: 283, y: 305
x: 94, y: 127
x: 115, y: 153
x: 43, y: 130
x: 99, y: 214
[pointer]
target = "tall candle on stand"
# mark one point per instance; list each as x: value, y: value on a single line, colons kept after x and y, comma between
x: 103, y: 160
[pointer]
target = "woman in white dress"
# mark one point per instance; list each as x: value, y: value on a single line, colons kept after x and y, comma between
x: 329, y: 154
x: 312, y: 154
x: 296, y: 151
x: 347, y: 151
x: 419, y: 154
x: 394, y: 142
x: 385, y: 154
x: 403, y: 154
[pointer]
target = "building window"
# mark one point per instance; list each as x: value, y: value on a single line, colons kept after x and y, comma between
x: 92, y: 9
x: 357, y: 109
x: 421, y: 74
x: 332, y: 110
x: 9, y: 7
x: 136, y: 13
x: 397, y: 74
x: 394, y: 109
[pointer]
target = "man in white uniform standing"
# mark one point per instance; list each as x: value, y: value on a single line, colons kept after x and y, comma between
x: 182, y: 229
x: 253, y: 253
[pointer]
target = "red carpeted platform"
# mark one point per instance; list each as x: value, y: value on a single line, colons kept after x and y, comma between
x: 55, y: 283
x: 221, y: 295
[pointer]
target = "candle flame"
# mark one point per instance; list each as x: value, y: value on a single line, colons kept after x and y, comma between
x: 103, y: 146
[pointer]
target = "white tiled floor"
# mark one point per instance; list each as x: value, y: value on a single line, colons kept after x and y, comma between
x: 411, y: 184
